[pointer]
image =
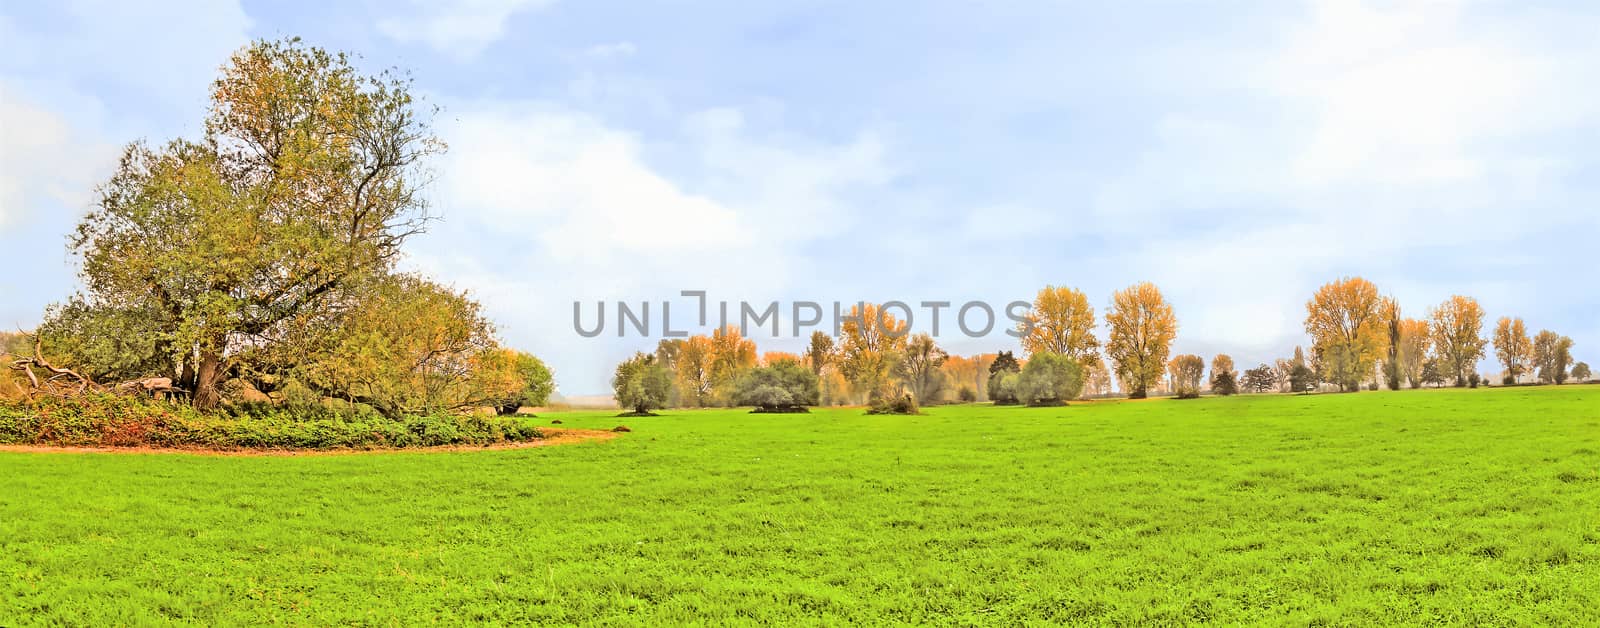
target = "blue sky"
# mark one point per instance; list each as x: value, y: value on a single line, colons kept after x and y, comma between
x: 1237, y: 154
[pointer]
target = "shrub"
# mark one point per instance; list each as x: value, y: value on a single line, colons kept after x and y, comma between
x: 900, y: 404
x: 966, y: 394
x: 1003, y: 388
x: 1474, y: 379
x: 784, y: 386
x: 1049, y: 379
x: 116, y: 421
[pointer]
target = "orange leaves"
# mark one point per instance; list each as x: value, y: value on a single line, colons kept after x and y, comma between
x: 1061, y: 321
x: 1143, y: 327
x: 1345, y: 320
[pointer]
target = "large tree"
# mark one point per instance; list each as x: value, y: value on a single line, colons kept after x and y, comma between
x: 1457, y: 329
x: 1142, y: 330
x: 1061, y: 321
x: 1513, y: 347
x: 305, y: 182
x: 1552, y: 352
x: 1345, y: 321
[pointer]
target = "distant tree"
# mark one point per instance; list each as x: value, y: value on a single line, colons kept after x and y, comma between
x: 781, y: 386
x: 692, y: 367
x: 1393, y: 369
x: 962, y: 371
x: 1143, y: 327
x: 820, y: 352
x: 1457, y: 330
x: 1580, y: 372
x: 922, y: 369
x: 1049, y: 379
x: 1003, y: 387
x: 1061, y: 321
x: 1097, y: 378
x: 667, y: 351
x: 1433, y: 372
x: 536, y: 383
x: 731, y: 356
x: 1260, y: 379
x: 1002, y: 382
x: 641, y: 383
x: 1346, y: 324
x: 966, y: 394
x: 1187, y: 371
x: 1513, y: 347
x: 1224, y: 380
x: 1004, y: 361
x: 1415, y: 343
x: 1552, y: 352
x: 774, y: 357
x: 870, y: 350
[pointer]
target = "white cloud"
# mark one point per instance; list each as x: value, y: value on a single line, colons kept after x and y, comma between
x: 58, y: 134
x: 609, y: 51
x: 544, y: 206
x: 44, y: 161
x: 461, y: 28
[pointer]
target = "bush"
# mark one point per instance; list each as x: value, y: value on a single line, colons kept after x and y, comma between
x: 115, y: 421
x: 902, y: 404
x: 785, y: 386
x: 1003, y: 388
x: 1049, y: 379
x: 1474, y: 379
x: 966, y: 394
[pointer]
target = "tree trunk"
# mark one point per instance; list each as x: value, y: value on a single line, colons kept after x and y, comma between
x: 207, y: 376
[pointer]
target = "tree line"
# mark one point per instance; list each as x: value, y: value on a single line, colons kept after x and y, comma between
x: 1358, y: 338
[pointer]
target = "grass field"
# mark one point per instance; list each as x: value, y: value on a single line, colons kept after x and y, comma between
x: 1462, y: 506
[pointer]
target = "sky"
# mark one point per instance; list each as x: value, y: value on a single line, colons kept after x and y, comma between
x: 1237, y: 154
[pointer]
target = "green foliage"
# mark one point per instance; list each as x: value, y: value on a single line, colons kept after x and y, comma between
x: 119, y: 421
x: 408, y: 346
x: 1302, y: 378
x: 1003, y: 387
x: 1260, y: 379
x: 1580, y: 372
x: 642, y: 384
x: 784, y: 386
x: 1004, y: 361
x: 538, y: 383
x: 1224, y: 384
x: 203, y: 253
x: 1049, y: 379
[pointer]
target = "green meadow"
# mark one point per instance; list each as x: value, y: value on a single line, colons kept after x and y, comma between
x: 1457, y: 506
